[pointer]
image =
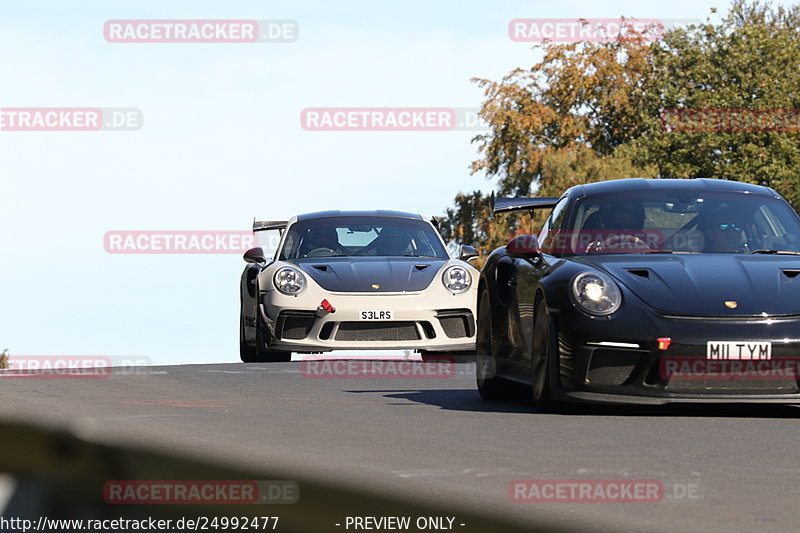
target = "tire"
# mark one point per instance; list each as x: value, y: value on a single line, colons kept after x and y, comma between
x: 259, y: 351
x: 543, y: 360
x: 247, y: 351
x: 490, y: 386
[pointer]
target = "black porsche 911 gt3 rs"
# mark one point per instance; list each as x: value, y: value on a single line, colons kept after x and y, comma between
x: 646, y: 291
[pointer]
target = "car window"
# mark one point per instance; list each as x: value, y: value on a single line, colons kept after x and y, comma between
x: 546, y: 244
x: 361, y: 236
x: 678, y: 221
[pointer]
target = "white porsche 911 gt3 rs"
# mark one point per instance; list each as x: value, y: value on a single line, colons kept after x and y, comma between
x: 356, y: 280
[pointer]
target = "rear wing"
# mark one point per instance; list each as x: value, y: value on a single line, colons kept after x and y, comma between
x: 505, y: 205
x: 264, y: 225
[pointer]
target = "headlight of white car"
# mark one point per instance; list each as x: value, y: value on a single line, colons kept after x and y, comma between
x: 596, y: 293
x: 289, y: 281
x: 456, y: 279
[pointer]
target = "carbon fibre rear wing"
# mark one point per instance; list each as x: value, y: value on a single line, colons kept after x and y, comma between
x: 264, y: 225
x: 505, y: 205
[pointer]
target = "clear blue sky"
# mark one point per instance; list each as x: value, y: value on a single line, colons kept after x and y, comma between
x: 222, y: 143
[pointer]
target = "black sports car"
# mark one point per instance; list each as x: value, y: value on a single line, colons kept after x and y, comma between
x: 646, y: 291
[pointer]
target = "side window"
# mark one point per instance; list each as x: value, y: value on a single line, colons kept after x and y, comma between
x: 546, y: 238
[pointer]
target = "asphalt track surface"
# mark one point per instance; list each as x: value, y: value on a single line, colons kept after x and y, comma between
x: 724, y: 469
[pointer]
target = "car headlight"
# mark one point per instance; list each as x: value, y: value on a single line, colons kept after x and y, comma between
x: 456, y: 279
x: 596, y: 293
x: 289, y: 281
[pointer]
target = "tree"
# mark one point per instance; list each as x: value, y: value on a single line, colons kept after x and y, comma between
x: 470, y: 222
x: 743, y: 69
x: 594, y: 111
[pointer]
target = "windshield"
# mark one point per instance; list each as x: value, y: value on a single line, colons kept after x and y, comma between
x: 675, y: 221
x: 361, y: 236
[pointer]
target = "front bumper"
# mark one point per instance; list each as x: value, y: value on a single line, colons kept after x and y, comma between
x: 427, y: 320
x: 607, y: 361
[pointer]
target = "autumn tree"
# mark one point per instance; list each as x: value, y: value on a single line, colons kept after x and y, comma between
x: 594, y: 111
x: 559, y: 123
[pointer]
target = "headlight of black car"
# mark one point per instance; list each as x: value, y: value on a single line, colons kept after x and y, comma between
x: 289, y: 281
x: 596, y: 293
x: 456, y: 279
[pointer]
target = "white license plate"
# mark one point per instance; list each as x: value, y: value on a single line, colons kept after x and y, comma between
x: 376, y: 315
x: 738, y: 350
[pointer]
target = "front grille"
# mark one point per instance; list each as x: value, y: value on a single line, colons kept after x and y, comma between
x: 727, y: 382
x: 454, y: 326
x: 294, y: 325
x: 694, y: 374
x: 456, y: 323
x: 377, y: 331
x: 613, y: 367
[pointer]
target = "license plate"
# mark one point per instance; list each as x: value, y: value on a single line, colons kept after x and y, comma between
x: 377, y: 315
x: 738, y: 350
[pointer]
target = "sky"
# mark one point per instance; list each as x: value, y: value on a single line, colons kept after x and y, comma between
x: 221, y: 142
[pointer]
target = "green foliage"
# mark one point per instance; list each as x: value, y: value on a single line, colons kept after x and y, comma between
x: 746, y: 63
x: 594, y: 111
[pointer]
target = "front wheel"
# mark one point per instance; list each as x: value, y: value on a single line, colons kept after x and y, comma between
x: 543, y: 359
x: 490, y: 386
x: 259, y: 351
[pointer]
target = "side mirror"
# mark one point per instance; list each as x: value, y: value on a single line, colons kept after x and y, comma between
x: 255, y: 255
x: 465, y: 253
x: 525, y: 246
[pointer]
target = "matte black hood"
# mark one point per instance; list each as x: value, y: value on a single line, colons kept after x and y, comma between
x: 359, y: 274
x: 699, y: 285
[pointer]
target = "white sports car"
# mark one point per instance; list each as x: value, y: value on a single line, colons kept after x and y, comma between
x: 356, y: 280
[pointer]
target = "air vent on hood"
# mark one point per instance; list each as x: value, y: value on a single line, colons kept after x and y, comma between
x: 790, y: 273
x: 421, y: 267
x: 321, y: 268
x: 641, y: 272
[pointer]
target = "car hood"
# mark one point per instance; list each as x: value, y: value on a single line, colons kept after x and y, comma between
x: 363, y: 274
x: 701, y: 284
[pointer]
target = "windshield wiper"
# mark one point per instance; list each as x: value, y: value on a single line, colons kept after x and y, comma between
x: 774, y: 252
x: 415, y: 255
